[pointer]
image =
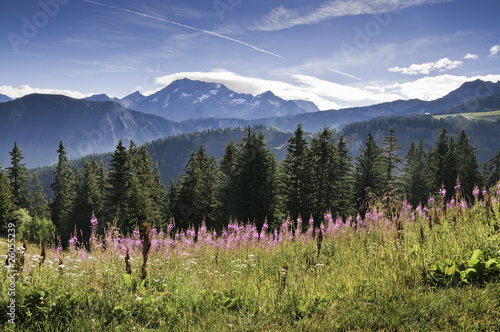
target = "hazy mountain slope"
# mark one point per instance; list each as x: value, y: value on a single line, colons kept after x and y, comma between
x: 38, y: 122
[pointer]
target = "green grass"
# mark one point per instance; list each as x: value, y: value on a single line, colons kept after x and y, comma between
x: 362, y: 280
x: 485, y: 116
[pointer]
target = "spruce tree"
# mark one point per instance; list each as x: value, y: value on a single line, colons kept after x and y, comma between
x: 18, y: 175
x: 466, y: 164
x: 322, y: 180
x: 296, y: 176
x: 438, y: 161
x: 6, y: 202
x: 493, y: 169
x: 118, y: 189
x: 370, y: 174
x: 38, y: 205
x: 63, y: 195
x: 344, y: 181
x: 391, y: 162
x: 415, y: 175
x: 227, y: 182
x: 255, y: 183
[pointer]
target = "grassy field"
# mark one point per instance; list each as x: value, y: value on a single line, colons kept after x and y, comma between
x: 429, y: 269
x: 486, y: 116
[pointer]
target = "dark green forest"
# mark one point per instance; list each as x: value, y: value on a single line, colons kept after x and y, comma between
x: 317, y: 174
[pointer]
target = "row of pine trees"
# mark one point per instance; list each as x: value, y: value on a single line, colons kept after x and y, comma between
x: 247, y: 184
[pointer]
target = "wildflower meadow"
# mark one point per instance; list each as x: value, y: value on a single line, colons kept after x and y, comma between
x: 433, y: 267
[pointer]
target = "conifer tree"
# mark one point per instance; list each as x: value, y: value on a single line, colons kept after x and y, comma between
x: 63, y: 195
x: 493, y: 169
x: 415, y: 175
x: 370, y: 174
x: 88, y: 201
x: 255, y: 183
x: 344, y: 184
x: 322, y: 180
x: 296, y: 176
x: 391, y: 162
x: 6, y: 202
x: 18, y: 175
x: 466, y: 164
x: 227, y: 181
x: 438, y: 161
x: 38, y: 204
x: 118, y: 190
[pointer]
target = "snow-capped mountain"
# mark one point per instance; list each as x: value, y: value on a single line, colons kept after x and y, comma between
x: 187, y: 99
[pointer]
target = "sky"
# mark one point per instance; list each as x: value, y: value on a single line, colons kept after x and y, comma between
x: 337, y: 53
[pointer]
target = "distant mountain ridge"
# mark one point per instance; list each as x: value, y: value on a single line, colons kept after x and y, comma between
x: 4, y: 98
x: 38, y: 122
x: 187, y: 99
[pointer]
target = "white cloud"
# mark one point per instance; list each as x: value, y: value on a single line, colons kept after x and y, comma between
x: 430, y: 88
x: 282, y: 18
x: 330, y: 95
x: 494, y: 51
x: 442, y: 65
x: 23, y: 90
x: 470, y: 56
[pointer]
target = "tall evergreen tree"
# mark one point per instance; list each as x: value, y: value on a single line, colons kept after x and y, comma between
x: 415, y: 175
x: 6, y: 202
x: 466, y: 164
x: 255, y: 181
x: 438, y: 161
x: 370, y: 173
x: 391, y: 162
x: 118, y: 190
x: 197, y: 192
x: 63, y: 195
x: 38, y: 204
x: 88, y: 201
x: 18, y: 175
x: 323, y: 168
x: 296, y: 176
x: 227, y: 180
x: 344, y: 184
x: 493, y: 169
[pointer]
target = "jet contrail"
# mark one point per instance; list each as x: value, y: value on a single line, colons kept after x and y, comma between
x: 185, y: 26
x: 339, y: 72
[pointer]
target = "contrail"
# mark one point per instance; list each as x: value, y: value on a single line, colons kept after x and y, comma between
x: 184, y: 26
x: 339, y: 72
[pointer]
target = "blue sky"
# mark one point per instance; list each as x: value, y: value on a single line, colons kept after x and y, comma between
x: 336, y: 53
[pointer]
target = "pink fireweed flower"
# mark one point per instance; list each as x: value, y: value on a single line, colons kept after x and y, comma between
x: 475, y: 192
x: 93, y: 222
x: 442, y: 192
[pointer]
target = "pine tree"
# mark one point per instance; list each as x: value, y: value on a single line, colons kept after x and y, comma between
x: 323, y: 181
x: 296, y: 176
x: 88, y: 200
x: 227, y: 181
x: 18, y: 175
x: 255, y: 183
x: 370, y: 174
x: 438, y: 161
x: 197, y: 191
x: 6, y: 202
x: 344, y: 183
x: 63, y: 195
x: 466, y: 164
x: 38, y: 205
x: 118, y: 189
x: 493, y: 169
x: 415, y: 175
x: 391, y: 163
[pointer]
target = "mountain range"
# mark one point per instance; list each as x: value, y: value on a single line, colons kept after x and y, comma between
x: 187, y: 99
x: 4, y: 98
x: 95, y: 124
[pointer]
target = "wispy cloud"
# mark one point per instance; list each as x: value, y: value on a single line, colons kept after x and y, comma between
x: 494, y: 51
x: 283, y: 18
x: 471, y: 56
x: 345, y: 74
x: 442, y: 65
x: 185, y: 26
